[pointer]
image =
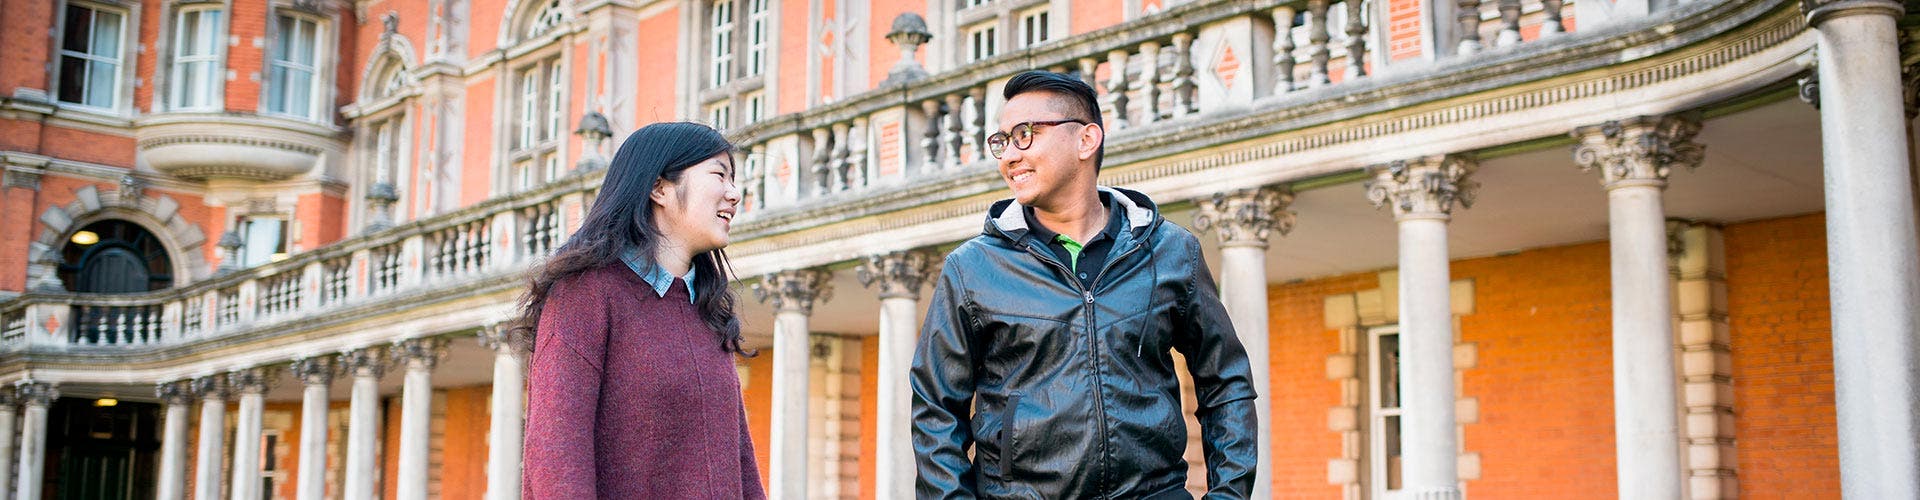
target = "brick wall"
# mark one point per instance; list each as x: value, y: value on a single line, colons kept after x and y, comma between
x: 1777, y: 298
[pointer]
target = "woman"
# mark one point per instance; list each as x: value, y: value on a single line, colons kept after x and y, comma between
x: 632, y: 392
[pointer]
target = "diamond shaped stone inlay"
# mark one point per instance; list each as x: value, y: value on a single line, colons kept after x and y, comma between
x: 53, y: 325
x: 1226, y: 67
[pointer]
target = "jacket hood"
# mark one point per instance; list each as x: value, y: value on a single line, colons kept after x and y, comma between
x: 1007, y: 218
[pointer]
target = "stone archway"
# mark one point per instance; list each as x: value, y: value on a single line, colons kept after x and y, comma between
x: 159, y: 215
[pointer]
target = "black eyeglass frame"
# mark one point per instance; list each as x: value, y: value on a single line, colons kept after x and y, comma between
x: 998, y: 141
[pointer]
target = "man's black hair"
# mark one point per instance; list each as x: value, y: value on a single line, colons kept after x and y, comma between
x: 1086, y: 104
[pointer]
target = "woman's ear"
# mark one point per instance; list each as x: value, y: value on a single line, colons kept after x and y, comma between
x: 662, y: 192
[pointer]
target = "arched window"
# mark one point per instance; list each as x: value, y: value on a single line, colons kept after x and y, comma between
x: 115, y: 256
x: 545, y: 18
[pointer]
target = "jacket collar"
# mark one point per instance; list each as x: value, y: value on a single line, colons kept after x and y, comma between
x: 1007, y: 218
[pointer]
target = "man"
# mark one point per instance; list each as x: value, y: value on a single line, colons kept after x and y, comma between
x: 1046, y: 345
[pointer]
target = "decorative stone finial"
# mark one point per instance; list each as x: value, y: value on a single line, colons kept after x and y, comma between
x: 594, y: 130
x: 909, y: 33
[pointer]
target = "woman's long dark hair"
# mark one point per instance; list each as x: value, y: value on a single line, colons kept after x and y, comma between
x: 622, y: 218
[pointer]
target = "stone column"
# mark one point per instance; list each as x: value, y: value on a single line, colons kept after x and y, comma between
x: 418, y: 356
x: 1634, y: 157
x: 210, y: 457
x: 9, y: 425
x: 1243, y: 220
x: 316, y: 376
x: 1422, y: 192
x: 251, y: 386
x: 363, y: 420
x: 792, y: 294
x: 178, y: 398
x: 1873, y: 264
x: 35, y: 397
x: 899, y: 276
x: 508, y: 411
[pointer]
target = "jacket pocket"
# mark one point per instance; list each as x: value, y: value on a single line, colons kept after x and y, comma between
x: 1009, y: 435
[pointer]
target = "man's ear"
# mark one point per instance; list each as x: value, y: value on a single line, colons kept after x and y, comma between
x: 1091, y: 136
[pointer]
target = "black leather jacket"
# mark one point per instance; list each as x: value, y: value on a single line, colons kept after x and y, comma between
x: 1070, y: 393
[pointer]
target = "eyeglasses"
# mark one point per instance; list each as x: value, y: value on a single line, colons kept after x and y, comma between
x: 1022, y: 136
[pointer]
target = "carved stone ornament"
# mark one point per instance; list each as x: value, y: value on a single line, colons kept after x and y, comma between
x: 178, y: 392
x: 1638, y: 151
x: 364, y: 362
x: 1425, y: 187
x: 318, y: 370
x: 210, y: 387
x: 504, y: 338
x: 33, y: 393
x: 794, y: 291
x: 8, y: 398
x: 421, y: 352
x: 1246, y: 217
x: 254, y: 380
x: 899, y: 274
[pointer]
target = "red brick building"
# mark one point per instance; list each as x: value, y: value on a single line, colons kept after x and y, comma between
x: 1475, y: 248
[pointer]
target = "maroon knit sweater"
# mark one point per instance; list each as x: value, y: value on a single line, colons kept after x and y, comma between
x: 630, y: 396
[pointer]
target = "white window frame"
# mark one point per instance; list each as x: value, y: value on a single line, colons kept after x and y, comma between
x: 213, y: 78
x: 1378, y: 413
x: 316, y: 76
x: 756, y: 104
x: 720, y: 43
x: 981, y: 42
x: 1034, y: 27
x: 540, y: 103
x: 758, y: 19
x: 117, y: 60
x: 720, y: 116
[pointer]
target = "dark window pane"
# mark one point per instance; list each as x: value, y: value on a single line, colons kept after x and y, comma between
x: 78, y: 29
x: 73, y: 79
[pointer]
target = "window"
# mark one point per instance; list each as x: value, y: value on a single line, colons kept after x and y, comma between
x: 386, y: 150
x: 757, y: 21
x: 1033, y: 28
x: 114, y: 256
x: 720, y: 116
x: 968, y: 4
x: 270, y: 473
x: 90, y: 57
x: 756, y: 108
x: 983, y: 43
x: 544, y: 20
x: 721, y: 43
x: 540, y: 107
x: 294, y: 86
x: 197, y: 34
x: 263, y: 239
x: 1383, y: 408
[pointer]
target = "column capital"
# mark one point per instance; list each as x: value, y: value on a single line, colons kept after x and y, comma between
x: 367, y: 361
x: 209, y: 387
x: 506, y: 338
x: 1639, y: 151
x: 1818, y: 11
x: 250, y: 381
x: 1423, y: 188
x: 422, y: 352
x: 1246, y: 217
x: 794, y: 290
x: 178, y: 392
x: 317, y: 370
x: 899, y: 274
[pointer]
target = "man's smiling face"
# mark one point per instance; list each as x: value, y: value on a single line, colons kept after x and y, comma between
x: 1058, y: 156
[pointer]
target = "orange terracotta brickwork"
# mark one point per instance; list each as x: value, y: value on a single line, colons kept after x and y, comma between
x: 1779, y: 321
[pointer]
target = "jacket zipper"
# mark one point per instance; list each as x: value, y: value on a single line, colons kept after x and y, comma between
x: 1092, y: 335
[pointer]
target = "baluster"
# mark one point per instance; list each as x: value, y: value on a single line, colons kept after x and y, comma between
x: 821, y: 151
x: 1317, y: 37
x: 837, y: 169
x: 956, y: 128
x: 1552, y: 25
x: 930, y: 140
x: 1356, y: 40
x: 1184, y: 87
x: 1283, y: 50
x: 1467, y: 14
x: 977, y: 122
x: 1149, y: 85
x: 1089, y: 66
x: 1117, y: 87
x: 1509, y: 23
x: 857, y: 154
x: 123, y: 325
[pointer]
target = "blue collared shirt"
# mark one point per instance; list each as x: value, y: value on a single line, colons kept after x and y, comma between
x: 655, y: 276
